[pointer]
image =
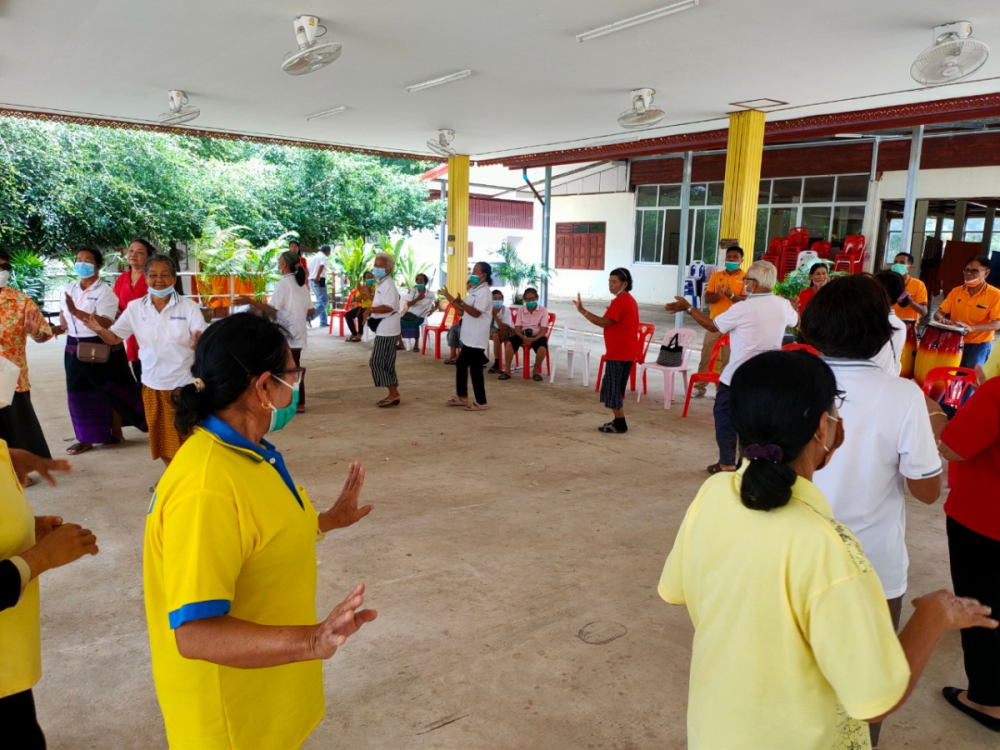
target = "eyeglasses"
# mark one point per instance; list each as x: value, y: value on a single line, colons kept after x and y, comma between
x: 838, y: 399
x: 972, y: 271
x: 295, y: 375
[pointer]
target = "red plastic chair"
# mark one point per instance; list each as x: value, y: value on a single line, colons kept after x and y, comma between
x: 548, y: 335
x: 338, y: 312
x: 789, y: 262
x: 799, y: 348
x: 774, y: 246
x: 822, y: 249
x: 799, y: 237
x: 853, y: 256
x: 646, y: 331
x: 774, y: 260
x: 449, y: 319
x: 706, y: 377
x: 949, y: 383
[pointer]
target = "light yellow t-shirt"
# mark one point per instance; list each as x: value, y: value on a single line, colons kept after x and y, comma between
x: 793, y: 643
x: 226, y: 533
x: 992, y: 366
x: 20, y: 631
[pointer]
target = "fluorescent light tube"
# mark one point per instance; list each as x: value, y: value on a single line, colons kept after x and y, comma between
x: 438, y: 81
x: 636, y: 20
x: 327, y: 113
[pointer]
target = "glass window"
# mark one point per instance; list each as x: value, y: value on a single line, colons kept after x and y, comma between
x: 893, y: 245
x: 651, y: 222
x: 646, y: 195
x: 817, y: 220
x: 698, y: 195
x: 764, y: 197
x: 930, y: 225
x: 672, y: 236
x: 973, y: 236
x: 848, y: 220
x: 760, y: 235
x: 715, y: 193
x: 852, y: 188
x: 670, y: 195
x: 786, y: 191
x: 896, y: 225
x: 818, y: 190
x: 780, y: 222
x: 712, y: 216
x: 947, y: 226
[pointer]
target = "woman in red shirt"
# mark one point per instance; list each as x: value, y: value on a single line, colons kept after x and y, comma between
x: 129, y: 286
x: 819, y: 274
x: 972, y: 442
x: 621, y: 342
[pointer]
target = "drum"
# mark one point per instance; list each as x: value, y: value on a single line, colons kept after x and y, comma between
x: 941, y: 346
x: 909, y: 350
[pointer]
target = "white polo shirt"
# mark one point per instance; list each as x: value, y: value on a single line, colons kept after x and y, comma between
x: 98, y: 298
x: 318, y: 263
x: 164, y: 339
x: 476, y: 331
x: 505, y: 317
x: 421, y: 308
x: 387, y: 294
x: 889, y: 359
x: 887, y: 439
x: 292, y: 303
x: 754, y: 326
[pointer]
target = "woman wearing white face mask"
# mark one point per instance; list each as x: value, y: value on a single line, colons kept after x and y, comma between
x: 793, y: 645
x: 166, y: 328
x: 100, y: 387
x: 383, y: 319
x: 291, y: 306
x: 19, y: 319
x: 229, y: 560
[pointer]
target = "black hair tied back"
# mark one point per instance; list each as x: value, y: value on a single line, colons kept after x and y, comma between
x: 623, y: 275
x: 229, y: 355
x: 777, y: 400
x: 294, y: 266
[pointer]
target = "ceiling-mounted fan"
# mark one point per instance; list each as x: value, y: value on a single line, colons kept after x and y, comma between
x: 180, y: 110
x: 314, y: 52
x: 442, y: 144
x: 643, y: 113
x: 953, y: 56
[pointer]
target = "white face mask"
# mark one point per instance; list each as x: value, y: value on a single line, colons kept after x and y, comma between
x: 4, y: 277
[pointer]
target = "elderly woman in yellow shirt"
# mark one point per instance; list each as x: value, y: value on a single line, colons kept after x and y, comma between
x: 229, y: 559
x: 796, y: 650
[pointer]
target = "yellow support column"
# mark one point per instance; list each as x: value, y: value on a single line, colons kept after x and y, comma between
x: 458, y: 224
x: 742, y: 187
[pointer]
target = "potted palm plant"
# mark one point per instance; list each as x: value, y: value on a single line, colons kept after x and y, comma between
x: 515, y: 273
x: 353, y: 259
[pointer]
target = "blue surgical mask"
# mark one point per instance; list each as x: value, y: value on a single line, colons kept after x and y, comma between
x: 84, y: 270
x: 281, y: 417
x: 732, y: 266
x: 899, y: 268
x: 378, y: 273
x: 161, y: 292
x: 474, y: 280
x: 498, y: 303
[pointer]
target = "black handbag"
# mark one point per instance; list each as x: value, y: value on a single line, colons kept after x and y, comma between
x: 672, y: 354
x: 373, y: 324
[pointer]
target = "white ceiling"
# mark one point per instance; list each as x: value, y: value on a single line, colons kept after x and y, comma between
x: 535, y: 88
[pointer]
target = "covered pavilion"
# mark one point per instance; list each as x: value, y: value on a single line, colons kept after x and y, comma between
x: 514, y: 560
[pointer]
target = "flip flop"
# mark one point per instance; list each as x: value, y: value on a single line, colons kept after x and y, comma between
x: 455, y: 401
x: 450, y: 361
x: 951, y: 695
x: 537, y: 377
x: 717, y: 468
x: 493, y: 369
x: 77, y: 448
x: 503, y: 376
x: 477, y: 407
x: 387, y: 402
x: 609, y: 427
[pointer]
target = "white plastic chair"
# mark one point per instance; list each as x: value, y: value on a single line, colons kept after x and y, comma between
x: 685, y: 337
x: 579, y: 347
x: 807, y: 258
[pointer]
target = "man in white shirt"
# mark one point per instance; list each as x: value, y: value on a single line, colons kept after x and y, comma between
x: 317, y: 282
x: 889, y: 430
x: 754, y: 326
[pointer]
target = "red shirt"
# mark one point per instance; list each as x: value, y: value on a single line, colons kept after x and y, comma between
x: 621, y: 338
x: 804, y: 296
x: 974, y: 434
x: 125, y: 293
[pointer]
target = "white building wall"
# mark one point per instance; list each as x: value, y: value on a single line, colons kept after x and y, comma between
x: 948, y: 184
x: 653, y: 282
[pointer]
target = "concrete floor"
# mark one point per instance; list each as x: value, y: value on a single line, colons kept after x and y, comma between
x: 513, y: 557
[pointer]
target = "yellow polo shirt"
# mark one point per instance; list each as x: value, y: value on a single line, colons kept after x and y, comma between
x: 974, y: 309
x: 229, y: 533
x: 992, y: 366
x: 793, y: 643
x: 717, y: 284
x: 918, y: 293
x: 20, y: 631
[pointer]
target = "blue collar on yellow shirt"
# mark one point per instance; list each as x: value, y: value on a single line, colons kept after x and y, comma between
x: 263, y: 452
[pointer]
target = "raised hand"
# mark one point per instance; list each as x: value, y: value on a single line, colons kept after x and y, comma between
x: 578, y: 302
x: 681, y: 305
x: 33, y: 321
x: 71, y: 305
x: 345, y: 512
x: 343, y: 621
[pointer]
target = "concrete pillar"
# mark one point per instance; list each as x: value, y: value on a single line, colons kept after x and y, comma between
x: 909, y: 202
x: 991, y: 213
x: 917, y: 239
x: 744, y: 151
x: 458, y: 224
x: 959, y: 228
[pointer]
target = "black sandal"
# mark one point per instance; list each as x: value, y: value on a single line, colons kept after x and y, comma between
x: 387, y: 402
x: 493, y: 370
x: 503, y: 376
x: 537, y: 377
x: 951, y: 695
x: 609, y: 428
x: 716, y: 468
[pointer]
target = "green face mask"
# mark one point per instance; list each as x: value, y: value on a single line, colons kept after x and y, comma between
x: 732, y: 266
x: 369, y: 282
x: 474, y: 280
x: 281, y: 417
x: 531, y: 305
x: 421, y: 287
x: 899, y: 268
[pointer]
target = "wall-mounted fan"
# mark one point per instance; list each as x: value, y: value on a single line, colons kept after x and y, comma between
x: 180, y: 110
x: 643, y: 113
x: 442, y: 144
x: 314, y: 51
x: 953, y: 56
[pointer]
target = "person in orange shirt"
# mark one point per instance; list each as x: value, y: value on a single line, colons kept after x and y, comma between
x: 915, y: 306
x: 976, y: 307
x: 724, y: 289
